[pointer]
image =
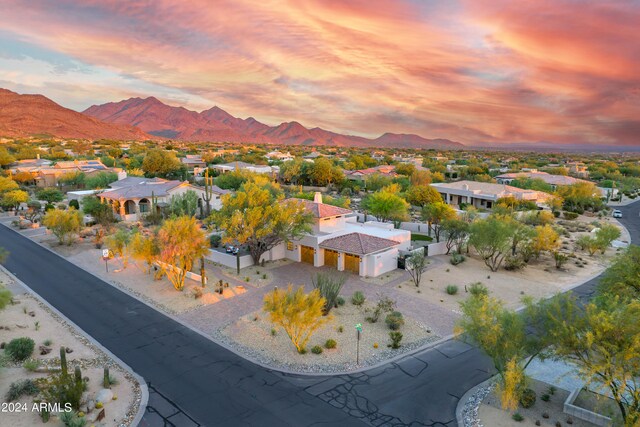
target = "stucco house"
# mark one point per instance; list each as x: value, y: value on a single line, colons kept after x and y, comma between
x: 237, y: 166
x: 483, y: 195
x: 338, y: 240
x: 131, y: 198
x: 553, y: 180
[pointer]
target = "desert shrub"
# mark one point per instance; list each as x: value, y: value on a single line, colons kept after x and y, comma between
x: 396, y: 337
x: 330, y: 343
x: 517, y: 417
x: 556, y: 214
x: 513, y: 263
x: 358, y: 298
x: 394, y: 320
x: 316, y: 349
x: 72, y: 419
x: 527, y: 398
x: 20, y: 349
x: 457, y: 259
x: 570, y: 215
x: 31, y: 364
x: 74, y: 204
x: 384, y: 305
x: 339, y: 301
x: 545, y: 397
x: 329, y: 287
x: 451, y: 289
x: 477, y: 289
x: 214, y: 240
x: 560, y: 259
x: 21, y: 388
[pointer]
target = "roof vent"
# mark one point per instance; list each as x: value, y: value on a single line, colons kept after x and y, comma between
x: 465, y: 187
x: 317, y: 198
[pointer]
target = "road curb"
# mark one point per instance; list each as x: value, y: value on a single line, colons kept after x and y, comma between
x: 144, y: 390
x: 465, y: 397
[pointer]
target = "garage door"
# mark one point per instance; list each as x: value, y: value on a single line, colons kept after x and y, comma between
x: 352, y: 263
x: 330, y: 258
x: 306, y: 254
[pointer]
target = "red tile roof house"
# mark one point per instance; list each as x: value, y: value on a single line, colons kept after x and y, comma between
x: 337, y: 240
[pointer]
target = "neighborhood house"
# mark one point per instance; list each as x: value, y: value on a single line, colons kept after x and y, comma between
x: 483, y: 195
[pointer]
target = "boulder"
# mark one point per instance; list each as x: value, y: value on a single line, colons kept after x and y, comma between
x: 104, y: 396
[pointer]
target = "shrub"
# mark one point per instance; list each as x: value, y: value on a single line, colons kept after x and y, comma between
x: 545, y: 397
x: 329, y: 288
x: 570, y: 215
x: 556, y: 214
x: 513, y: 263
x: 358, y: 298
x: 316, y: 349
x: 330, y: 343
x: 457, y: 259
x: 560, y: 259
x: 74, y: 204
x: 477, y: 289
x: 396, y: 337
x: 517, y: 417
x: 451, y: 289
x: 339, y: 301
x: 340, y: 328
x: 21, y: 388
x: 384, y: 305
x: 214, y: 240
x: 394, y: 320
x: 528, y: 398
x: 20, y: 349
x: 73, y: 419
x: 31, y: 364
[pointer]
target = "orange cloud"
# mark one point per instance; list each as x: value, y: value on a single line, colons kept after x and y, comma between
x: 473, y: 71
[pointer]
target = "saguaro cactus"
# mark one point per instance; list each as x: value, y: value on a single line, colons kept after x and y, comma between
x: 63, y: 361
x: 208, y: 193
x: 105, y: 380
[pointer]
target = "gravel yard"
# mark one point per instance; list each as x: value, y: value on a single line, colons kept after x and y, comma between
x: 28, y: 317
x: 252, y: 335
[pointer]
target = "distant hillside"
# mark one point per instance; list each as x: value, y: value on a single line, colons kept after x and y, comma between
x: 25, y: 115
x: 215, y: 124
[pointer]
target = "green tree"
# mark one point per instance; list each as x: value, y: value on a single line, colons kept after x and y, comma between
x: 184, y: 204
x: 101, y: 212
x: 491, y: 238
x: 386, y: 206
x: 606, y: 234
x: 101, y: 180
x: 623, y: 276
x: 603, y: 341
x: 181, y: 241
x: 161, y: 163
x: 75, y: 179
x: 65, y: 225
x: 253, y: 216
x: 434, y: 214
x: 457, y: 232
x: 299, y: 314
x: 5, y: 158
x: 50, y: 195
x: 422, y: 195
x: 118, y: 242
x: 416, y: 264
x: 232, y: 180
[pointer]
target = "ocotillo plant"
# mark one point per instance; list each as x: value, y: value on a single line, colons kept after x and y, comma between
x: 63, y: 361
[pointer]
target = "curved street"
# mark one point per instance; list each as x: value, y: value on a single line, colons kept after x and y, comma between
x: 194, y: 381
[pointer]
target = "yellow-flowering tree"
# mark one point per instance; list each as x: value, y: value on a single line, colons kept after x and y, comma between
x: 63, y: 224
x: 545, y: 239
x: 118, y: 242
x: 143, y: 248
x: 299, y: 314
x: 181, y: 241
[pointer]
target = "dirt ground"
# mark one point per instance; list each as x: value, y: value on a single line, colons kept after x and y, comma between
x: 27, y: 317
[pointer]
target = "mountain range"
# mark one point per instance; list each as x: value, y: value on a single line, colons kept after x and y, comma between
x: 149, y: 118
x: 26, y: 115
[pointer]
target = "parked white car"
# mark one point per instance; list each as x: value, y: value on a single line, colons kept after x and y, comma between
x: 617, y: 214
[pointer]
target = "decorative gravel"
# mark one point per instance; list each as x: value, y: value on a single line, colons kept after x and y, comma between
x: 471, y: 407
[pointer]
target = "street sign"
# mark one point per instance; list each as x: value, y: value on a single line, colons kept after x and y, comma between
x: 359, y: 327
x: 105, y: 253
x: 358, y: 332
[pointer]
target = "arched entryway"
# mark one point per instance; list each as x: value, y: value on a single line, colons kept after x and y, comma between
x: 129, y: 207
x: 144, y: 206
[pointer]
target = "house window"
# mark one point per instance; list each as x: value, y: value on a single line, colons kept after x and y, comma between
x: 289, y: 246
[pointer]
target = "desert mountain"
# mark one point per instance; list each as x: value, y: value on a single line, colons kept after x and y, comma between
x: 25, y: 115
x: 215, y: 124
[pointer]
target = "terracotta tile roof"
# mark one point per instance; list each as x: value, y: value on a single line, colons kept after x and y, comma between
x: 321, y: 210
x: 358, y: 244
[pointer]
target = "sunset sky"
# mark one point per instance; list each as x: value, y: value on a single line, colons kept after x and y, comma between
x: 477, y: 71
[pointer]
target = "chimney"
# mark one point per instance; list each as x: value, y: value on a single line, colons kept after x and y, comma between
x: 317, y: 198
x: 38, y: 156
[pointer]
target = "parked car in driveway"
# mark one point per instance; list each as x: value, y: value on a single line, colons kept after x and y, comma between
x: 617, y: 213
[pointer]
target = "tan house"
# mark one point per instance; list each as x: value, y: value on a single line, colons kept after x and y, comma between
x: 483, y: 195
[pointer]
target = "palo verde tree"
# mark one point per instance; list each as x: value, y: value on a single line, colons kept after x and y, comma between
x: 387, y: 205
x: 623, y: 276
x: 181, y: 241
x: 299, y: 314
x: 491, y: 238
x: 64, y: 224
x: 144, y: 248
x: 457, y: 232
x: 255, y: 217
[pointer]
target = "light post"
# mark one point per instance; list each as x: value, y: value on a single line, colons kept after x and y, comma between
x: 358, y: 332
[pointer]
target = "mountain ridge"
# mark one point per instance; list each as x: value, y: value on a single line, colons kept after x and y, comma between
x: 157, y: 118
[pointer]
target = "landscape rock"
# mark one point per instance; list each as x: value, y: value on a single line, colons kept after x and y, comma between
x: 104, y: 396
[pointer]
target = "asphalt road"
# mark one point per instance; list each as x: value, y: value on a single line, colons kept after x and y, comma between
x: 197, y: 382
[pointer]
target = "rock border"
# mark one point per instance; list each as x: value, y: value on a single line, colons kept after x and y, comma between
x: 468, y: 405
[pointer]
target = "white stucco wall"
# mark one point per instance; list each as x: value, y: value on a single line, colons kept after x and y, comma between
x: 380, y: 263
